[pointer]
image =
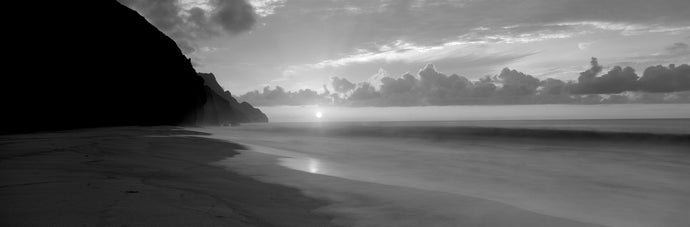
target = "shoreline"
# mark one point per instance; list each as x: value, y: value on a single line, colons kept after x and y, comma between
x: 172, y: 176
x: 137, y: 176
x: 364, y: 203
x: 489, y: 182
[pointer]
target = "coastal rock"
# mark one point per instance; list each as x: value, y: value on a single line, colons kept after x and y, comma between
x: 240, y: 112
x: 79, y: 64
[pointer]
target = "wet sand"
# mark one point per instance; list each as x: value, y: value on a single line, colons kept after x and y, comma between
x: 400, y: 176
x: 138, y: 177
x: 175, y: 177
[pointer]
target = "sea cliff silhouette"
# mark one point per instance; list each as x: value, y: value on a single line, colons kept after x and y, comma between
x: 229, y: 108
x: 80, y: 64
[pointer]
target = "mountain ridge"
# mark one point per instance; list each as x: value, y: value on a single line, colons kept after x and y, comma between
x: 84, y: 64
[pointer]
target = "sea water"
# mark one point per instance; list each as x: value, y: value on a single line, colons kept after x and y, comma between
x: 629, y: 172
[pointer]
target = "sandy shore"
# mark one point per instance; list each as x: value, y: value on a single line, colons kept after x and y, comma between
x: 491, y: 180
x: 137, y: 177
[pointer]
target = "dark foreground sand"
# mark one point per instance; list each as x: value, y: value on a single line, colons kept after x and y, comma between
x: 137, y: 177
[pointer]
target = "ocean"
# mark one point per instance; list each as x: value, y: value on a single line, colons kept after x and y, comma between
x: 583, y: 172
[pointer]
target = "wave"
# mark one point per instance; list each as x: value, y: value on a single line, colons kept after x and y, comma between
x: 465, y: 132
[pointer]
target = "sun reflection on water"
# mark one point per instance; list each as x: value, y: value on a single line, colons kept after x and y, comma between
x: 310, y: 165
x: 313, y: 165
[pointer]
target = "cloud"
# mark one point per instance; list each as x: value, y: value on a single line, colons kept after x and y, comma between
x: 665, y: 79
x: 375, y: 80
x: 517, y: 83
x: 425, y: 23
x: 232, y: 15
x: 266, y: 7
x: 348, y: 37
x: 187, y: 21
x: 392, y: 86
x: 626, y: 29
x: 400, y: 91
x: 621, y: 79
x: 342, y: 85
x: 616, y: 80
x: 551, y: 86
x: 436, y: 88
x: 676, y: 52
x: 584, y: 45
x: 467, y: 47
x: 659, y: 84
x: 592, y: 72
x: 679, y: 48
x: 278, y: 96
x: 395, y: 51
x: 484, y: 88
x: 364, y: 91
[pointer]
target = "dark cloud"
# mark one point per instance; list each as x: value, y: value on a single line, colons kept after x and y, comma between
x: 484, y: 88
x: 665, y: 79
x: 186, y: 26
x: 400, y: 91
x: 234, y: 15
x: 615, y: 81
x: 402, y: 85
x: 551, y: 86
x: 654, y: 79
x: 364, y: 91
x: 278, y: 96
x: 659, y: 84
x: 342, y: 85
x: 430, y: 88
x: 436, y: 88
x: 592, y: 72
x: 430, y: 78
x: 517, y: 84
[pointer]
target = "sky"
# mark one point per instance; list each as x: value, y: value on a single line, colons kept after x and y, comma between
x: 304, y: 44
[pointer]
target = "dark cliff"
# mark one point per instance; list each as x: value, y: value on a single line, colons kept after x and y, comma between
x: 79, y: 64
x: 240, y: 112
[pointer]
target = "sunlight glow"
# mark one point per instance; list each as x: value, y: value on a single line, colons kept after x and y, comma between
x: 313, y: 165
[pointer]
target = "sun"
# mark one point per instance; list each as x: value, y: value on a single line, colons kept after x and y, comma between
x: 318, y: 114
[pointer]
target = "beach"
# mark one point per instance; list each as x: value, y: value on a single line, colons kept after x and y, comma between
x: 136, y: 176
x: 499, y: 173
x: 506, y: 173
x: 352, y: 113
